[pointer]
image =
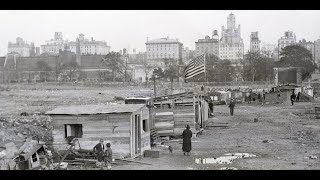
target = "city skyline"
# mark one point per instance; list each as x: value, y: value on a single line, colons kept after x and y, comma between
x: 130, y: 29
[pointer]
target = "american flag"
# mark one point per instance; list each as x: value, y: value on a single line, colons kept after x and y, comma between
x: 195, y: 67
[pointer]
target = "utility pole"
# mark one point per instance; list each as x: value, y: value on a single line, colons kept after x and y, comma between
x: 154, y: 86
x: 125, y: 74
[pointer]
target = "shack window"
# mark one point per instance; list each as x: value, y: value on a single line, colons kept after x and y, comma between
x: 34, y: 157
x: 145, y: 126
x: 74, y: 130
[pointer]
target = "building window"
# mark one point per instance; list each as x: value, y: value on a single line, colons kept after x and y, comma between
x: 145, y: 125
x: 34, y: 157
x: 74, y: 130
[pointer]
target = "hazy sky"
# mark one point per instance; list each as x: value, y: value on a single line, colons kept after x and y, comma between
x: 129, y: 29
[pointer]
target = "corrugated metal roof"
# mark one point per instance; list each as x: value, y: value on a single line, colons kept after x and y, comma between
x: 96, y: 109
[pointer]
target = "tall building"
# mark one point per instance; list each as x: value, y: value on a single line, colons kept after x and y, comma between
x: 208, y: 45
x: 187, y: 54
x: 137, y: 57
x: 308, y: 45
x: 231, y: 43
x: 254, y: 42
x: 53, y: 46
x: 164, y: 48
x: 317, y: 51
x: 289, y: 38
x: 21, y: 47
x: 90, y: 47
x: 37, y: 51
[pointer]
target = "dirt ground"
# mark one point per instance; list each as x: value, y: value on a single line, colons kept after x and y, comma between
x: 292, y: 134
x: 285, y: 137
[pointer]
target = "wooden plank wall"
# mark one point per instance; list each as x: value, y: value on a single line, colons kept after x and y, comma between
x: 113, y: 128
x: 183, y: 117
x: 164, y: 122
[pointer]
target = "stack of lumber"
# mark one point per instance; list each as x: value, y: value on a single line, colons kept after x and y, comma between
x: 154, y: 135
x: 214, y: 122
x: 164, y: 123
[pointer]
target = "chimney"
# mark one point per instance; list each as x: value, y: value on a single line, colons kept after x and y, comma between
x: 91, y: 38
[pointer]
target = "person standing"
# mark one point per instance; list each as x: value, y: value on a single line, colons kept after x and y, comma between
x: 293, y: 96
x: 108, y: 156
x: 231, y: 106
x: 99, y: 151
x: 211, y: 106
x: 186, y: 144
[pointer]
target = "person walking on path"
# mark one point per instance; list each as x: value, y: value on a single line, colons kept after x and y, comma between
x: 231, y: 106
x: 186, y: 144
x: 108, y: 156
x: 99, y: 151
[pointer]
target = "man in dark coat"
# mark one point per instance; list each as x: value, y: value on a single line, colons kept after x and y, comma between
x: 186, y: 145
x: 292, y: 98
x: 99, y: 151
x: 231, y: 106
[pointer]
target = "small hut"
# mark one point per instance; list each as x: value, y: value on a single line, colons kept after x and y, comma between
x: 20, y: 155
x: 125, y: 126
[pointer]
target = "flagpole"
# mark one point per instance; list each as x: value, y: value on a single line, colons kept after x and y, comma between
x: 205, y: 71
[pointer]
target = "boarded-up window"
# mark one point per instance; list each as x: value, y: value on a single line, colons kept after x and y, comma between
x: 74, y: 130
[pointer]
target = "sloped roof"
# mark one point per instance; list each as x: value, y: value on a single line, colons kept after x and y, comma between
x: 96, y: 109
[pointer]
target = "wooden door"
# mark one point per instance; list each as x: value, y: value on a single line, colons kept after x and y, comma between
x: 137, y: 134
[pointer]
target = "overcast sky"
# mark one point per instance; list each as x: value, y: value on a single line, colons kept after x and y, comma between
x: 129, y: 29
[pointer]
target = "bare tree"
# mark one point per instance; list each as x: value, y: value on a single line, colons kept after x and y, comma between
x: 71, y: 69
x: 44, y: 69
x: 114, y: 62
x: 147, y: 68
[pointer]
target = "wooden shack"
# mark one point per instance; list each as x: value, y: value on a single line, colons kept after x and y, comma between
x: 174, y: 113
x: 279, y: 97
x: 125, y: 126
x: 148, y: 101
x: 21, y: 155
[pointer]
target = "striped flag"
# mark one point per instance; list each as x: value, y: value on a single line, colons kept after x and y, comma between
x: 196, y: 66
